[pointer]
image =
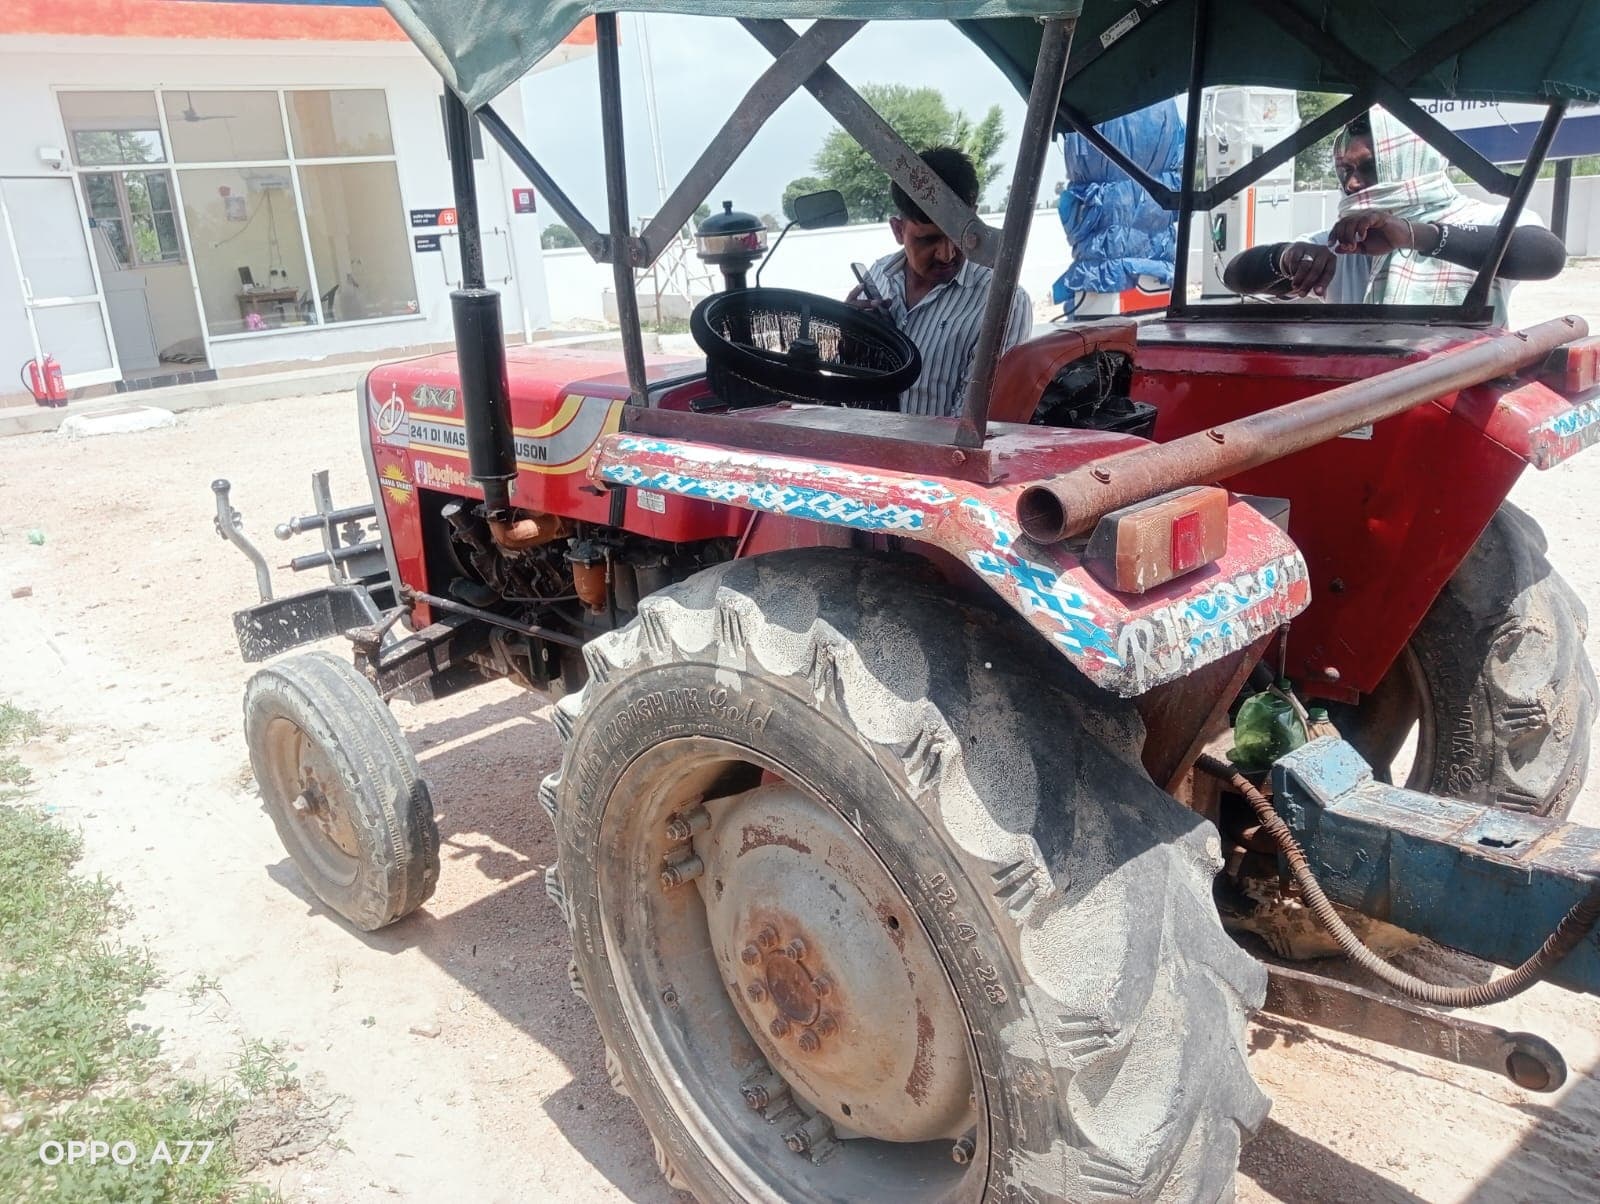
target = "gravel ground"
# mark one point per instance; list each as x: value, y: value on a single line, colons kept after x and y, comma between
x: 466, y: 1068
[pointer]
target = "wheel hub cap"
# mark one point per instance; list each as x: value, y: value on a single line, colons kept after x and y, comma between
x: 831, y: 971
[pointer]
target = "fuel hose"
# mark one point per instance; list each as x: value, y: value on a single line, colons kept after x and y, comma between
x: 1574, y: 926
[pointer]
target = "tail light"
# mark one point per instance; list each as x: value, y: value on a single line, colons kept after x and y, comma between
x: 1574, y: 368
x: 1139, y: 547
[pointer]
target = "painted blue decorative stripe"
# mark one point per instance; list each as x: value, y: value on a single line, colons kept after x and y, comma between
x: 1574, y: 421
x: 794, y: 501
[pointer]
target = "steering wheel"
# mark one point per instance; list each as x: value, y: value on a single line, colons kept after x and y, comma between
x: 771, y: 344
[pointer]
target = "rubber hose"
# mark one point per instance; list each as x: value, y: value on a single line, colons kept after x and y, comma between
x: 1574, y: 926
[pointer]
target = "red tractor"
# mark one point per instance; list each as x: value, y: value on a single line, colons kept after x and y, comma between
x: 896, y: 772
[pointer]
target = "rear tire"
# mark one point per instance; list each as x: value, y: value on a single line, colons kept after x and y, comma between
x: 1066, y: 901
x: 1496, y: 679
x: 342, y: 788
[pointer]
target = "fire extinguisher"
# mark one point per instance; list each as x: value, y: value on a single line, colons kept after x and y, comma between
x: 46, y: 382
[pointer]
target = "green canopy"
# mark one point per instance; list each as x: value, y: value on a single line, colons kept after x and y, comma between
x: 1549, y: 51
x: 482, y: 47
x: 1127, y: 53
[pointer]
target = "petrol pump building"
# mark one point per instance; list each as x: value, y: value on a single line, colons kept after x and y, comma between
x: 191, y: 188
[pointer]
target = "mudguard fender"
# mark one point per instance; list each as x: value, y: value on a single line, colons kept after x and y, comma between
x: 1126, y: 644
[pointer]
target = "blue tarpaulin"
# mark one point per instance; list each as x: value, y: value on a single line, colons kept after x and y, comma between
x: 1116, y: 231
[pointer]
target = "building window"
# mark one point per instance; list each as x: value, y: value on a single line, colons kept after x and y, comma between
x: 112, y: 128
x: 224, y: 127
x: 249, y: 260
x: 343, y: 124
x: 100, y: 147
x: 290, y: 198
x: 134, y: 209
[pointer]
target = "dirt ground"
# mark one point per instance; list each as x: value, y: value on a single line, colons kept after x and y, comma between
x: 468, y: 1070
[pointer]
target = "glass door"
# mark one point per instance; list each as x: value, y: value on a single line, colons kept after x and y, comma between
x: 48, y: 245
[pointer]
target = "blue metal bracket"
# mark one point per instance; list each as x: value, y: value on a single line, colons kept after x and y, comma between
x: 1488, y: 882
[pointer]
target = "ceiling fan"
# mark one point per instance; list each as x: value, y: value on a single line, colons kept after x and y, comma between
x: 189, y: 114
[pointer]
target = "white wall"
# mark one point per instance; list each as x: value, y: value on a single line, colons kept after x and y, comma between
x: 36, y: 65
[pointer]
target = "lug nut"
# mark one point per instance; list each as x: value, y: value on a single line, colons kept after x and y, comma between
x: 669, y: 997
x: 756, y: 991
x: 809, y: 1042
x: 826, y: 1025
x: 962, y: 1151
x: 679, y: 872
x: 764, y: 1089
x: 810, y: 1135
x: 795, y: 949
x: 779, y: 1027
x: 749, y: 955
x: 822, y: 984
x: 767, y: 937
x: 684, y: 826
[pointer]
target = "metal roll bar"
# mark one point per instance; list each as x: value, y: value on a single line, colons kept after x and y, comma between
x: 1072, y: 503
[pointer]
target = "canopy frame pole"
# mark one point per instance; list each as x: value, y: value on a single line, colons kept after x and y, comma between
x: 1365, y: 92
x: 1191, y: 155
x: 1361, y: 73
x: 791, y: 69
x: 1478, y: 294
x: 977, y: 240
x: 594, y: 242
x: 623, y: 246
x: 1038, y: 130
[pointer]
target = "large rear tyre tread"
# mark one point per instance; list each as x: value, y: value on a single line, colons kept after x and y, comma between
x: 1511, y: 690
x: 391, y: 811
x: 1124, y: 1002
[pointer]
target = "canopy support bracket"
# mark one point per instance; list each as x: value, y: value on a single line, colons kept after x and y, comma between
x: 792, y: 68
x: 977, y: 240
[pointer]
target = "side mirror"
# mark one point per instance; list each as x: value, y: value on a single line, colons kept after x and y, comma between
x: 820, y: 210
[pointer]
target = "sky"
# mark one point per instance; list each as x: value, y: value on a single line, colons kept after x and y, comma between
x: 702, y: 67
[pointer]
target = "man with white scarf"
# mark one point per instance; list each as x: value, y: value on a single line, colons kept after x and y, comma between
x: 1405, y: 235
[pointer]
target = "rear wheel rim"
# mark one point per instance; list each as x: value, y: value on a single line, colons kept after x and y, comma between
x: 309, y: 791
x: 772, y: 971
x: 1398, y: 718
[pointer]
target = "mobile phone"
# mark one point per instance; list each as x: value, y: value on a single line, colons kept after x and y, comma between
x: 872, y: 294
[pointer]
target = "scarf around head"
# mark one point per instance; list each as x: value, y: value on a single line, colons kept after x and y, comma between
x: 1413, y: 183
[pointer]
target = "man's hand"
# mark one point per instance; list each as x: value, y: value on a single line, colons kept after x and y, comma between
x: 1306, y: 269
x: 1371, y: 232
x: 858, y: 298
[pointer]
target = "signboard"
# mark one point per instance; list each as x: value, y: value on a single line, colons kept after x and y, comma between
x: 426, y: 242
x: 1503, y: 133
x: 433, y: 217
x: 522, y: 201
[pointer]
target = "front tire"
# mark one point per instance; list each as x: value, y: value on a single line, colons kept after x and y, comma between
x: 919, y: 807
x: 342, y: 788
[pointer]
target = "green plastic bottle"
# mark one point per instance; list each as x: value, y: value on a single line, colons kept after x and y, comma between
x: 1266, y: 728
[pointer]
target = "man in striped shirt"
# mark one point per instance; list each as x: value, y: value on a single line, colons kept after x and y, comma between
x: 936, y: 295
